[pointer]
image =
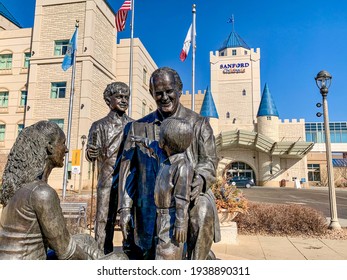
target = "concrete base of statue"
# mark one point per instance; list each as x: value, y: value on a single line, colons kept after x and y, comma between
x: 229, y: 233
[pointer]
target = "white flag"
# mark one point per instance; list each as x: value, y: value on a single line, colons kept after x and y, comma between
x: 186, y: 45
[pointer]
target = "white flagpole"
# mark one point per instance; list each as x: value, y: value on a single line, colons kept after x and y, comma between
x: 131, y: 57
x: 193, y: 57
x: 68, y: 136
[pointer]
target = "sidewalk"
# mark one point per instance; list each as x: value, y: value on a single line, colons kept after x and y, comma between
x: 257, y: 247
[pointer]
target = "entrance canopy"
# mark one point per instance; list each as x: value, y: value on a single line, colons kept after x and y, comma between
x: 259, y: 142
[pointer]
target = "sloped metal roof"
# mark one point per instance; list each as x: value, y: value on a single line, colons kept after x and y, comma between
x: 256, y: 141
x: 340, y: 162
x: 233, y: 41
x: 5, y: 13
x: 208, y: 108
x: 267, y: 105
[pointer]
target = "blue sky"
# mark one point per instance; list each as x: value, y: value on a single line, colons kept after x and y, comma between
x: 297, y: 39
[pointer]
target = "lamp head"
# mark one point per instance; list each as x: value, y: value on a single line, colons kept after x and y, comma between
x: 323, y: 79
x: 83, y: 138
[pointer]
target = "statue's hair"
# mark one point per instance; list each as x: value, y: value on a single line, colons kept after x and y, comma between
x: 113, y: 88
x: 176, y: 134
x: 166, y: 70
x: 27, y: 158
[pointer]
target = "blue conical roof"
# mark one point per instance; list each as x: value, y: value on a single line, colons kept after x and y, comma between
x: 208, y: 108
x: 5, y: 13
x: 267, y: 105
x: 233, y: 41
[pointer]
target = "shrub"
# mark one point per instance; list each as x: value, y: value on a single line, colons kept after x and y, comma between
x: 281, y: 219
x: 228, y: 197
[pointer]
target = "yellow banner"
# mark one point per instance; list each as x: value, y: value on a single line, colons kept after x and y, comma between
x: 76, y: 158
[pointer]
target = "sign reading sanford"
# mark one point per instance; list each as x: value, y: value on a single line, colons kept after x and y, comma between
x: 234, y: 68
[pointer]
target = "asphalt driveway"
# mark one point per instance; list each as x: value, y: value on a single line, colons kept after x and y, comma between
x: 317, y: 197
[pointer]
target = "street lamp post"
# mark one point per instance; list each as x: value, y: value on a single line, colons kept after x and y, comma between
x: 323, y: 81
x: 83, y: 138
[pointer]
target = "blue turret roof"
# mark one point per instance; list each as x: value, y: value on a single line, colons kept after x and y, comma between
x: 233, y: 41
x: 267, y: 105
x: 5, y: 13
x: 208, y: 108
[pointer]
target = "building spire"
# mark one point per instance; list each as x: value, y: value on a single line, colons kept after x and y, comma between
x: 208, y: 108
x: 232, y: 21
x: 234, y: 40
x: 267, y: 106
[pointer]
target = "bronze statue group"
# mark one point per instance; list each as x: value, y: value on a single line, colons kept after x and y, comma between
x: 154, y: 172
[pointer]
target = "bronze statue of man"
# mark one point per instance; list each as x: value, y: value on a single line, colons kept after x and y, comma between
x: 138, y: 173
x: 108, y: 134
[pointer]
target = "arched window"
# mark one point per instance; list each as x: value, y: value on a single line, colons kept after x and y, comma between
x: 150, y: 108
x: 27, y: 56
x: 228, y: 115
x: 6, y: 60
x: 244, y: 92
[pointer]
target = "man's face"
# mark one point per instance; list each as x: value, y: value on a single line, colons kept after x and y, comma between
x: 59, y: 151
x: 164, y: 93
x: 120, y: 100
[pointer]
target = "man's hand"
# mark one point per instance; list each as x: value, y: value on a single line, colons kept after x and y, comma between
x: 93, y: 152
x: 197, y: 185
x: 139, y: 140
x: 180, y: 235
x: 125, y: 222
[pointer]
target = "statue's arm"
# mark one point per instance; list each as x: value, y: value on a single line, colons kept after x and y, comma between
x: 126, y: 184
x: 93, y: 143
x: 127, y: 170
x: 183, y: 179
x: 52, y: 223
x: 207, y: 155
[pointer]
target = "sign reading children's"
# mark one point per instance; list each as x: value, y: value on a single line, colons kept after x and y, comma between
x: 234, y: 68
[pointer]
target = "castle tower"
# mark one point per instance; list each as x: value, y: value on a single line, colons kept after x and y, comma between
x: 235, y: 84
x: 267, y: 116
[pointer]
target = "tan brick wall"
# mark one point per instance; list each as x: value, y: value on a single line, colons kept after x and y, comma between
x: 58, y: 23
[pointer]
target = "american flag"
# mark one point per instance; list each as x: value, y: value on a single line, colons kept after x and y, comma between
x: 121, y: 15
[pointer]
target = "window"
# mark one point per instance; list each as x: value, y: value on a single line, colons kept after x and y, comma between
x: 246, y: 52
x: 268, y: 118
x: 315, y: 132
x: 233, y: 52
x: 313, y: 172
x: 150, y: 109
x: 58, y: 90
x: 222, y: 54
x: 144, y: 108
x: 23, y: 98
x: 228, y: 115
x: 60, y: 47
x: 2, y: 132
x: 3, y: 99
x: 144, y: 76
x: 59, y: 122
x: 26, y: 60
x: 19, y: 128
x: 5, y: 61
x: 244, y: 92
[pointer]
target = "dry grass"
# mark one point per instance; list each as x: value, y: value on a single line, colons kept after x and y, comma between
x: 285, y: 220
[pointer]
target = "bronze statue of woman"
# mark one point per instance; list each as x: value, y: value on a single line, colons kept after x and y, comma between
x: 32, y: 221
